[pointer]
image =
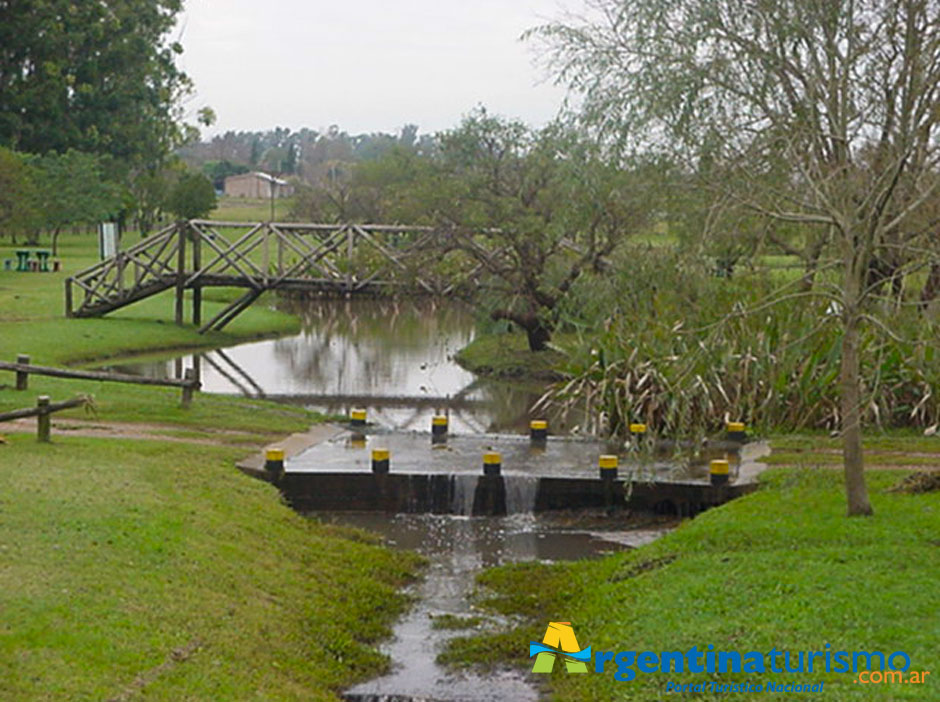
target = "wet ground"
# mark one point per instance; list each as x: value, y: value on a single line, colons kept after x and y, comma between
x: 463, y: 454
x: 458, y: 548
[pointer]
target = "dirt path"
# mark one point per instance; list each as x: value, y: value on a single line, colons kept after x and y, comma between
x: 129, y: 430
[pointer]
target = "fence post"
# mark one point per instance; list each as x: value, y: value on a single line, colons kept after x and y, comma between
x: 189, y: 376
x: 22, y: 377
x: 44, y: 420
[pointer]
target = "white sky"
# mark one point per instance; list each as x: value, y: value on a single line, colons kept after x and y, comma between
x: 365, y: 65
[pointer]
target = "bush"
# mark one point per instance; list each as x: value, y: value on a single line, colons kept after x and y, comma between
x: 685, y: 351
x: 192, y: 197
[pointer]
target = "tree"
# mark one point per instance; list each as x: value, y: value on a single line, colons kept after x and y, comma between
x: 71, y: 190
x: 193, y: 197
x: 533, y: 210
x: 18, y: 200
x: 823, y: 114
x: 94, y: 76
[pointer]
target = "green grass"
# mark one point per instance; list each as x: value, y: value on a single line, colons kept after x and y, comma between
x: 508, y: 356
x: 155, y: 570
x: 780, y: 568
x: 118, y: 553
x: 896, y: 448
x: 907, y: 440
x: 32, y: 322
x: 236, y: 209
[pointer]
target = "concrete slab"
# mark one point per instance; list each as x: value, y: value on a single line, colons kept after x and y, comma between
x: 292, y: 446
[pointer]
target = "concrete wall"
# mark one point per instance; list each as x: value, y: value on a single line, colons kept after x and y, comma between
x: 251, y: 185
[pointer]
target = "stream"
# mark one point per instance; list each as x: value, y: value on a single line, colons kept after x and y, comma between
x: 395, y: 359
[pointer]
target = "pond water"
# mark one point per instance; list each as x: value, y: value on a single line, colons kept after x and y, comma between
x: 394, y: 358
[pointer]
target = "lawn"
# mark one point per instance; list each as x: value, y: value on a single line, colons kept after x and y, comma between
x: 147, y: 570
x: 780, y: 568
x: 32, y: 322
x: 155, y: 570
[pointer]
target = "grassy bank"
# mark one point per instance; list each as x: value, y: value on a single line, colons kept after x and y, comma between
x: 32, y: 322
x: 508, y: 356
x: 154, y: 570
x: 137, y: 570
x: 780, y: 568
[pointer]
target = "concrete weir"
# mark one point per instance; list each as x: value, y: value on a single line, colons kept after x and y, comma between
x: 328, y: 469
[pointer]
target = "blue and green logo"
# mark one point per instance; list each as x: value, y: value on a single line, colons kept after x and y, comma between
x: 559, y: 642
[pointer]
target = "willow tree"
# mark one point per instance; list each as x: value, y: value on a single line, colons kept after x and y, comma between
x: 818, y: 112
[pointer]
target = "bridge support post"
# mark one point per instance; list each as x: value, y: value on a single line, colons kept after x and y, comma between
x: 68, y: 298
x: 180, y: 272
x: 197, y: 290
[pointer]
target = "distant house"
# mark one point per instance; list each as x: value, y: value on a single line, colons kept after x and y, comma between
x: 257, y: 184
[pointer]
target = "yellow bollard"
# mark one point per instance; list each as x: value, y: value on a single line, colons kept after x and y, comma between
x: 357, y: 417
x: 736, y: 431
x: 274, y: 461
x: 492, y: 463
x: 439, y: 427
x: 380, y: 460
x: 718, y: 471
x: 608, y: 467
x: 538, y: 430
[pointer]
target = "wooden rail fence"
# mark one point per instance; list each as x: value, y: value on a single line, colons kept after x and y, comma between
x: 43, y: 411
x: 188, y: 384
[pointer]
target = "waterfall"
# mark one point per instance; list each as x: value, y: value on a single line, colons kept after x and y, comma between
x: 464, y: 490
x: 521, y: 491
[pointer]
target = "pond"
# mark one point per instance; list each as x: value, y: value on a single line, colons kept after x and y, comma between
x: 393, y: 358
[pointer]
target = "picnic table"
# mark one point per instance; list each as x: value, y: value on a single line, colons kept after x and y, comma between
x: 42, y: 259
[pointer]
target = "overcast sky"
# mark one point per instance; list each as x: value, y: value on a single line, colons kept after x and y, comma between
x: 365, y: 65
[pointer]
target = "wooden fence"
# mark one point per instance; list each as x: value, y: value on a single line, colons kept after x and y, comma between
x: 43, y: 411
x: 188, y: 384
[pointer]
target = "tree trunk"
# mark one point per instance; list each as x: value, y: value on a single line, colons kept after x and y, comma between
x: 856, y: 491
x: 538, y: 336
x: 537, y: 332
x: 55, y: 241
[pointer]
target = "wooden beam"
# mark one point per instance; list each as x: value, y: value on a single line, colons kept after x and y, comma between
x: 104, y: 376
x: 51, y: 407
x: 180, y: 274
x: 197, y: 288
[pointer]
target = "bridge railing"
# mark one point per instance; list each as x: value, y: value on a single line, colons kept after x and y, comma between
x: 340, y: 258
x: 110, y: 283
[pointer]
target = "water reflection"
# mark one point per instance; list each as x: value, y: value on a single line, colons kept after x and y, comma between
x: 393, y: 357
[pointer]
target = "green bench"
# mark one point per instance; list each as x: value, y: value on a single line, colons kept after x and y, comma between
x: 33, y: 260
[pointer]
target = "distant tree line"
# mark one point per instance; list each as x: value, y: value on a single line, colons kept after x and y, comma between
x: 306, y: 153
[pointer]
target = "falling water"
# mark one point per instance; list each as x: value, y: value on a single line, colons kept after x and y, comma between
x: 520, y: 493
x: 464, y: 490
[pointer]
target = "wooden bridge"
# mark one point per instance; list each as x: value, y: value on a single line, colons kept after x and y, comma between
x: 346, y: 259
